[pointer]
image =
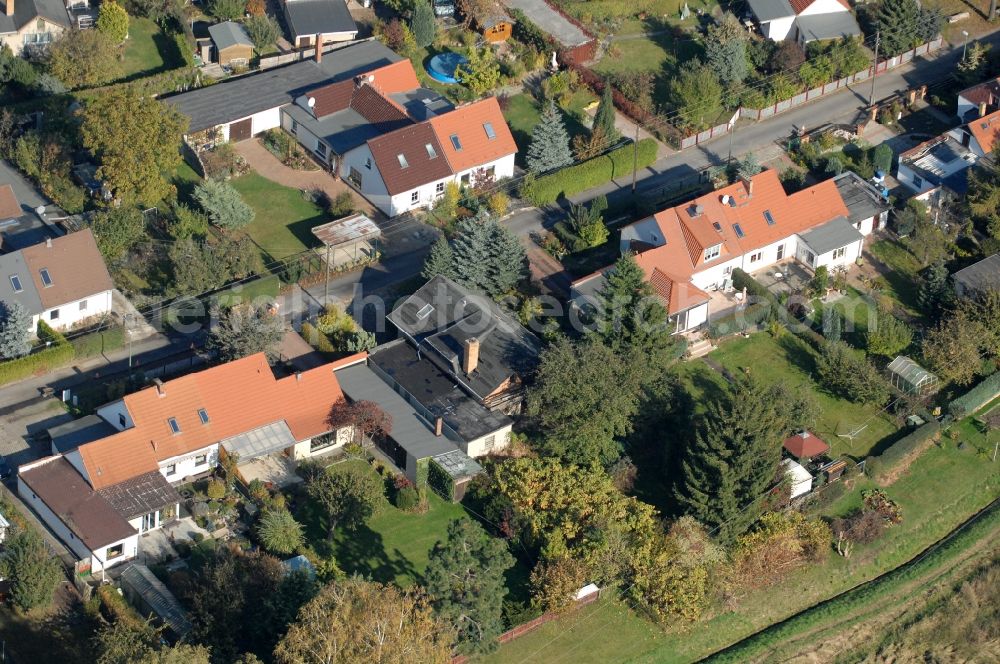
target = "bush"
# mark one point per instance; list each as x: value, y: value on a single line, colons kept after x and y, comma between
x: 317, y: 339
x: 976, y: 398
x: 903, y: 450
x: 407, y: 498
x: 223, y: 204
x: 753, y: 315
x: 574, y: 179
x: 216, y: 489
x: 756, y: 292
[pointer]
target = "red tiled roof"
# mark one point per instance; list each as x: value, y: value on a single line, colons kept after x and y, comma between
x: 377, y: 109
x: 800, y: 6
x: 331, y: 98
x: 805, y: 445
x: 238, y: 397
x: 390, y: 79
x: 75, y: 266
x: 986, y: 130
x: 986, y: 92
x: 421, y: 167
x: 468, y: 124
x: 397, y: 77
x: 688, y: 232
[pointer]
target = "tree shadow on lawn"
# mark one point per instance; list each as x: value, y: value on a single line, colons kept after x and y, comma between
x: 362, y: 551
x: 302, y: 229
x: 798, y: 353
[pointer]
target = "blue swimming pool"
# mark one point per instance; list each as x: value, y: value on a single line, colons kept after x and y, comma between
x: 442, y: 66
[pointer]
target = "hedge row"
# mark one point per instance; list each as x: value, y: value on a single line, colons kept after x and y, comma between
x: 753, y: 315
x: 903, y: 450
x: 976, y: 398
x: 574, y: 179
x: 57, y: 354
x: 527, y: 32
x: 97, y: 343
x: 849, y: 604
x: 756, y: 291
x: 318, y: 340
x: 440, y: 481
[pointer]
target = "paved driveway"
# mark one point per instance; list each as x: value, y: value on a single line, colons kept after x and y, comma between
x: 550, y: 21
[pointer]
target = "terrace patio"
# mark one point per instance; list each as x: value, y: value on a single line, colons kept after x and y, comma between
x: 788, y: 276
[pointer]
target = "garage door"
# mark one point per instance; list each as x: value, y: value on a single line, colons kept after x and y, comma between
x: 240, y: 131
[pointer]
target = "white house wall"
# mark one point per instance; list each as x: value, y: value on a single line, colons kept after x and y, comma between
x: 964, y: 106
x: 70, y: 313
x: 645, y: 230
x: 303, y: 449
x: 907, y: 177
x: 779, y: 28
x: 483, y: 446
x: 851, y: 253
x: 186, y: 466
x: 115, y: 414
x: 76, y: 461
x: 372, y: 186
x: 99, y: 559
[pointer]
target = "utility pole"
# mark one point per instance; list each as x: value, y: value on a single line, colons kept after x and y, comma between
x: 878, y: 41
x: 635, y: 156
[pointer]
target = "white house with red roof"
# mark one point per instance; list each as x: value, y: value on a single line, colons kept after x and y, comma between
x: 399, y: 144
x: 805, y: 20
x: 692, y: 249
x: 979, y: 100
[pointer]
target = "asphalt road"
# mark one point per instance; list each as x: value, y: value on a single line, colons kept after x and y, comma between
x: 838, y: 108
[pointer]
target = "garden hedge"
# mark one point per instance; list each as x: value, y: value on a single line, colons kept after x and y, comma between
x: 318, y: 340
x: 753, y: 315
x: 976, y: 398
x: 440, y: 481
x: 756, y: 291
x: 574, y: 179
x: 904, y: 448
x: 57, y: 354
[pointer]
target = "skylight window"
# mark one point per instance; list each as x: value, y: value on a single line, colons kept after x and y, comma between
x: 203, y: 415
x: 431, y: 152
x: 490, y: 133
x: 425, y: 311
x: 717, y: 226
x: 46, y: 279
x: 455, y: 143
x: 174, y: 426
x: 768, y: 218
x: 15, y: 283
x: 739, y: 230
x: 402, y: 161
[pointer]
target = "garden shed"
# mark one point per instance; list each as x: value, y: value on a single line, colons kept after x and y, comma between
x: 910, y: 378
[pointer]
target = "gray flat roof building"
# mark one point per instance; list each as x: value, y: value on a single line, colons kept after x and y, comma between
x: 831, y: 235
x: 978, y: 277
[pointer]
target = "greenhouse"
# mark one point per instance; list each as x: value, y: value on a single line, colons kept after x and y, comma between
x: 910, y: 378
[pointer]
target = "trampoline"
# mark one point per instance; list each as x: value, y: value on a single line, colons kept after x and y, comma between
x: 442, y: 66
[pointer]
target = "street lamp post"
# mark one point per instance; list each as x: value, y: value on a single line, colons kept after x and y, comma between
x: 965, y: 43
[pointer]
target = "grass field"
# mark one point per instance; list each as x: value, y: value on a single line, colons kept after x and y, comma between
x: 791, y: 361
x: 284, y: 218
x: 941, y: 490
x: 393, y: 545
x: 902, y: 276
x: 148, y: 49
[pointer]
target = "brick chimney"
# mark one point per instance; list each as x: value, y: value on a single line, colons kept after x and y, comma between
x: 319, y: 49
x: 9, y: 7
x: 159, y: 387
x: 470, y: 355
x: 438, y: 426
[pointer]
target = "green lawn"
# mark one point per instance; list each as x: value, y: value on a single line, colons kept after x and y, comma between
x: 791, y: 361
x: 941, y: 490
x: 646, y: 54
x: 393, y: 545
x: 284, y: 218
x: 522, y: 114
x: 148, y: 49
x: 902, y: 276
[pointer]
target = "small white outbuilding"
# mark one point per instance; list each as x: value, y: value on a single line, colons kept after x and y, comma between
x: 800, y: 478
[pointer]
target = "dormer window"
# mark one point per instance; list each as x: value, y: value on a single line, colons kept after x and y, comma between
x: 15, y: 283
x: 490, y: 132
x: 46, y: 279
x: 431, y: 152
x: 402, y: 161
x: 175, y: 428
x: 455, y: 143
x: 203, y: 415
x: 713, y: 252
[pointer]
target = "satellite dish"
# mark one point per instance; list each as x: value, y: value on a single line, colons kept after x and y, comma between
x: 311, y: 102
x: 371, y: 78
x: 40, y: 210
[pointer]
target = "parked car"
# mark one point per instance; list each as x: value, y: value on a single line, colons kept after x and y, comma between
x: 444, y: 8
